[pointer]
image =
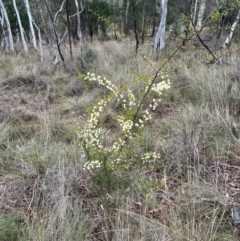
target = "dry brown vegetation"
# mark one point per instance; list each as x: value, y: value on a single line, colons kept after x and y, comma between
x: 188, y: 194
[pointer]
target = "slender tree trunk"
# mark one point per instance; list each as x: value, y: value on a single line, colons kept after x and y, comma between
x: 20, y: 27
x: 40, y: 41
x: 58, y: 40
x: 54, y: 20
x: 5, y: 16
x: 200, y: 15
x: 135, y: 25
x: 143, y: 23
x: 79, y: 32
x: 126, y: 29
x: 50, y: 24
x: 219, y: 30
x: 194, y: 14
x: 59, y: 43
x: 43, y: 18
x: 4, y: 40
x: 69, y: 27
x: 153, y: 27
x: 31, y: 23
x: 160, y: 36
x: 229, y: 37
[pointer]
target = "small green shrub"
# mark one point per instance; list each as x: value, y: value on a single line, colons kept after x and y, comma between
x: 90, y: 59
x: 9, y: 228
x: 105, y: 154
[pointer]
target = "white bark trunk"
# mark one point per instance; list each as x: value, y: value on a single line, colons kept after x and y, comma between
x: 20, y: 27
x: 194, y: 12
x: 56, y: 19
x: 57, y: 13
x: 120, y: 3
x: 58, y: 40
x: 31, y: 23
x: 126, y: 17
x: 40, y: 41
x: 17, y: 36
x: 5, y: 16
x: 200, y: 14
x: 43, y: 19
x: 160, y: 36
x: 56, y: 59
x: 229, y: 37
x: 79, y: 32
x: 3, y: 40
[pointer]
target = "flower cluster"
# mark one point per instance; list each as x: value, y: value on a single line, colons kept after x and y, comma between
x: 94, y: 164
x: 142, y: 121
x: 131, y: 98
x: 149, y: 157
x: 158, y: 88
x: 93, y: 136
x: 126, y: 125
x: 102, y: 81
x: 128, y: 100
x: 117, y: 145
x: 112, y: 164
x: 163, y: 85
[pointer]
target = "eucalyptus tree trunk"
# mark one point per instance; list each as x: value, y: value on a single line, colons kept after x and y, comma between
x: 160, y: 36
x: 200, y: 14
x: 194, y: 12
x: 126, y: 22
x: 4, y: 40
x: 79, y: 32
x: 20, y: 27
x: 135, y: 24
x: 67, y: 6
x: 31, y: 23
x: 9, y: 32
x: 229, y: 37
x: 57, y: 36
x: 51, y: 35
x: 40, y: 9
x: 59, y: 52
x: 143, y: 22
x: 40, y: 41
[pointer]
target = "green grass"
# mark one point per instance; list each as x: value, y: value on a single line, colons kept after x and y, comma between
x: 10, y: 227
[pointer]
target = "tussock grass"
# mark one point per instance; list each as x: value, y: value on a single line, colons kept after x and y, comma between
x: 46, y: 195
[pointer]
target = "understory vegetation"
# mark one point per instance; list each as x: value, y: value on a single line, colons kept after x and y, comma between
x: 174, y: 178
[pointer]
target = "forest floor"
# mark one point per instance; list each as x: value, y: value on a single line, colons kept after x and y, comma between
x: 191, y: 192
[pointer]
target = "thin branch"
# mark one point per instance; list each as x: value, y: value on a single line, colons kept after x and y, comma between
x: 58, y: 12
x: 148, y: 90
x: 77, y: 12
x: 201, y: 41
x: 55, y: 32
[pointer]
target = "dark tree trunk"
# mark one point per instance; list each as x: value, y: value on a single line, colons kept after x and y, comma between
x: 153, y: 28
x: 126, y: 22
x: 143, y: 23
x: 135, y: 25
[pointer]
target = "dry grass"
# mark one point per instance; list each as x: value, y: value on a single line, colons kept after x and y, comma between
x: 46, y: 195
